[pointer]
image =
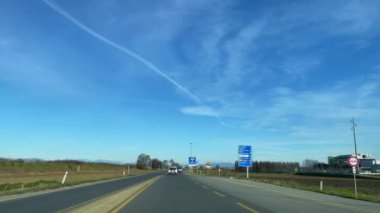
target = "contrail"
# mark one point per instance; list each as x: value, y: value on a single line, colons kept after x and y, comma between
x: 129, y: 53
x: 124, y: 50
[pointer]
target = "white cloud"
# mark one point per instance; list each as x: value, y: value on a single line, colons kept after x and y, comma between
x: 368, y: 89
x: 247, y: 71
x: 299, y: 67
x: 355, y: 17
x: 239, y: 50
x: 35, y: 72
x: 233, y: 58
x: 199, y: 110
x: 125, y: 50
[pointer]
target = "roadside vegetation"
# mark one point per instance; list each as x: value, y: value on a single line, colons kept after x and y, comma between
x: 19, y: 176
x: 339, y: 185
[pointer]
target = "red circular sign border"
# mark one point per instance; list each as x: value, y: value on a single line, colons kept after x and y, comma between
x: 357, y: 165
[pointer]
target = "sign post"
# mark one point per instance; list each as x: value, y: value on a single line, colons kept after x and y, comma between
x: 245, y: 157
x: 354, y: 162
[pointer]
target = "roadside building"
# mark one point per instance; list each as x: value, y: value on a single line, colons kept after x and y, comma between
x: 208, y: 165
x: 367, y: 164
x: 377, y: 169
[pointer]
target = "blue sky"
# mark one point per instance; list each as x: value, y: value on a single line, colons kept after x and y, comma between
x: 113, y: 79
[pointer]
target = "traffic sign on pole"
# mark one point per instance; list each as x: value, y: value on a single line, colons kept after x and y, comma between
x: 353, y: 161
x: 192, y: 161
x: 244, y: 156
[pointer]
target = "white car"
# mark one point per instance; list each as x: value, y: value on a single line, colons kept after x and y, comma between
x: 173, y: 170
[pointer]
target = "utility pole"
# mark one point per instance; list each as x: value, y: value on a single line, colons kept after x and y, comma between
x: 191, y: 149
x: 356, y: 155
x: 353, y: 129
x: 191, y: 155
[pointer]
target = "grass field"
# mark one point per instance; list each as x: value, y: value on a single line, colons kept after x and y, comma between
x: 18, y: 176
x: 368, y: 188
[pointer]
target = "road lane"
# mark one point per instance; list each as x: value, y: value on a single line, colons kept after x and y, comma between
x: 62, y: 199
x: 112, y: 202
x: 187, y: 193
x: 179, y: 194
x: 281, y: 199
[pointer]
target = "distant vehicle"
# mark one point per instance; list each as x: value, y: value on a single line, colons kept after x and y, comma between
x: 179, y: 170
x: 173, y: 170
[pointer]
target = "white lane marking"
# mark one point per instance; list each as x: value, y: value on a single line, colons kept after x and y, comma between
x: 219, y: 194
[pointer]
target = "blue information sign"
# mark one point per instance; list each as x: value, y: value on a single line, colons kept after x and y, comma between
x: 245, y: 156
x: 192, y: 161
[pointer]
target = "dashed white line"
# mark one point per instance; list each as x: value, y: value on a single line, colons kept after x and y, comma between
x: 219, y: 194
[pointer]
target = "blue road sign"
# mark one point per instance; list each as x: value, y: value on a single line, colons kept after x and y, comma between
x: 192, y: 160
x: 245, y: 156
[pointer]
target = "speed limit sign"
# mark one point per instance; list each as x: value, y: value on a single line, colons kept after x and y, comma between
x: 353, y: 161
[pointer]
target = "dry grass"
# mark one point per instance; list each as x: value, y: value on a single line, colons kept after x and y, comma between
x: 57, y: 176
x: 368, y: 188
x: 19, y: 177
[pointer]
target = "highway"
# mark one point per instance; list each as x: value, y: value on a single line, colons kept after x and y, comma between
x: 184, y: 193
x: 62, y: 199
x: 272, y: 198
x: 213, y: 194
x: 181, y: 194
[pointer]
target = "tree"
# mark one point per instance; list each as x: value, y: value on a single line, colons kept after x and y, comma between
x: 143, y: 161
x: 239, y: 168
x: 156, y: 164
x: 173, y: 163
x: 165, y: 164
x: 268, y: 166
x: 308, y: 163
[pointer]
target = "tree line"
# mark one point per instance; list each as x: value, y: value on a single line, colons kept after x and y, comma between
x: 144, y: 161
x: 269, y: 166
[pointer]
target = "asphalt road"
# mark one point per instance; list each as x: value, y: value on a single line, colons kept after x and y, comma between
x: 272, y: 198
x: 181, y: 194
x: 185, y: 193
x: 62, y: 199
